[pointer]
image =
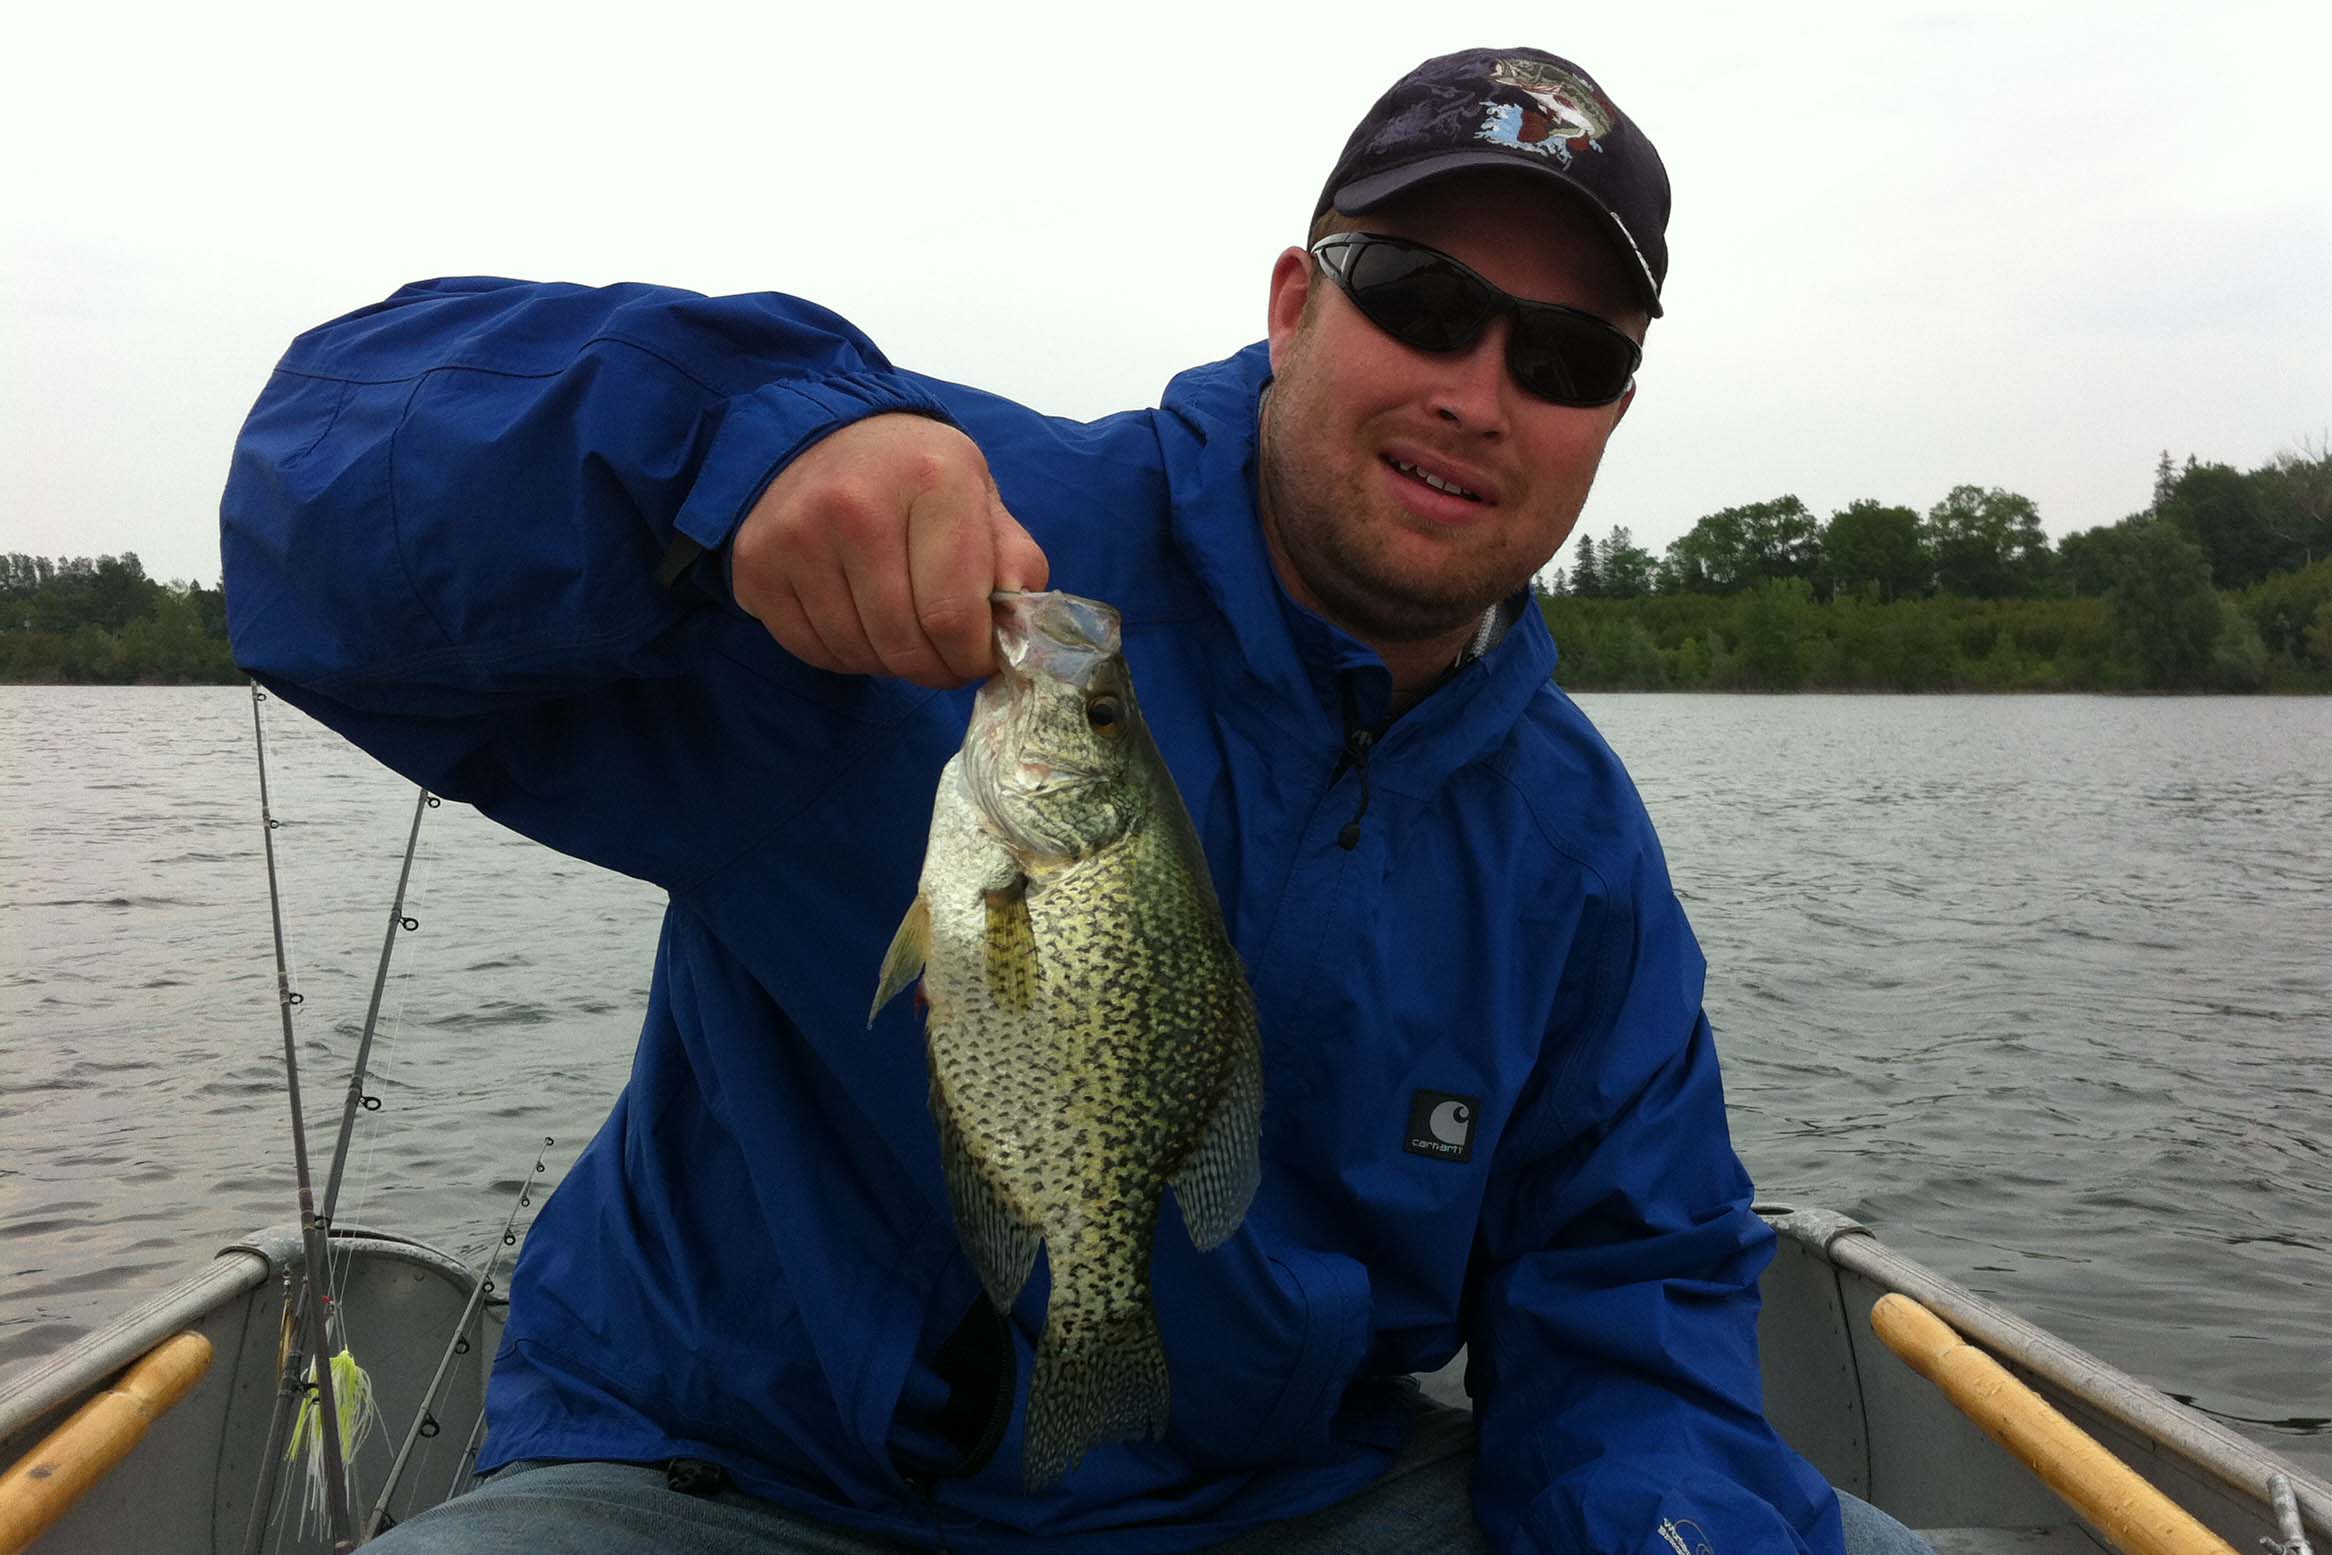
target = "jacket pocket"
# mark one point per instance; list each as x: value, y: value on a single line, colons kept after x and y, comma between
x: 1258, y: 1380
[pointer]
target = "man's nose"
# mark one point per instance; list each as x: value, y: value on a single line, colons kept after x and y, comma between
x: 1470, y: 389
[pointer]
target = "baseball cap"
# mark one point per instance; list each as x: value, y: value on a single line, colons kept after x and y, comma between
x: 1511, y: 108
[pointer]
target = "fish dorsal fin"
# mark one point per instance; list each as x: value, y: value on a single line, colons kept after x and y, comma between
x: 903, y: 962
x: 1218, y: 1179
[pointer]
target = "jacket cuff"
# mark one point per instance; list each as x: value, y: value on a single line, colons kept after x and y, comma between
x: 1663, y: 1504
x: 760, y: 434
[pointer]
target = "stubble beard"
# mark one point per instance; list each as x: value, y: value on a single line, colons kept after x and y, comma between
x: 1311, y: 517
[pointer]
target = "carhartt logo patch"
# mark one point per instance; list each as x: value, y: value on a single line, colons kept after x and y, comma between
x: 1442, y: 1125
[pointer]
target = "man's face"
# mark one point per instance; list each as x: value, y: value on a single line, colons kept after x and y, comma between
x: 1354, y: 534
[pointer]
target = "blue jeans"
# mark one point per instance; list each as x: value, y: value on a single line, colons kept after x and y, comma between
x: 1422, y: 1506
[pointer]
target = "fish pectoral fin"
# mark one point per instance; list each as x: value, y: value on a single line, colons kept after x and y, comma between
x: 903, y: 962
x: 1000, y: 1241
x: 1218, y: 1178
x: 1013, y: 971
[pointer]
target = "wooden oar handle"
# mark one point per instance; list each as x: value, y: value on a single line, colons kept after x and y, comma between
x: 76, y: 1455
x: 2137, y: 1518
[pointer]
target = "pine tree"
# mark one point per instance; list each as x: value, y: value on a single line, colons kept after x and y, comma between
x: 1586, y: 572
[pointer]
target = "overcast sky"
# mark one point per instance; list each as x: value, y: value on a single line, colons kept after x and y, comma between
x: 2024, y: 245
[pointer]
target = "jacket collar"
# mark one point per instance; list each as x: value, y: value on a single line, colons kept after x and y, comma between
x: 1280, y: 667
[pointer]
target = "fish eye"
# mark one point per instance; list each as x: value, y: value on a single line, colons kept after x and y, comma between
x: 1105, y: 714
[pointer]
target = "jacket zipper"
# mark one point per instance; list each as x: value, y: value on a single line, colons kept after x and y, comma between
x: 1358, y: 742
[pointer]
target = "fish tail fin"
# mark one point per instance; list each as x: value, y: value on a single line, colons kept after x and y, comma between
x: 1096, y: 1381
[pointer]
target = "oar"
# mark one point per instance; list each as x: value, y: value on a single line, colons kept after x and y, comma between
x: 46, y: 1482
x: 2134, y: 1516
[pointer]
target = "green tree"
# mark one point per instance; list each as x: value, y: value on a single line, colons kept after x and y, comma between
x: 2295, y: 488
x: 1586, y: 571
x: 120, y: 591
x: 2319, y: 637
x: 1736, y: 548
x: 2166, y: 617
x: 21, y: 577
x: 2283, y: 606
x: 2238, y: 657
x: 1627, y: 566
x: 210, y: 608
x: 2219, y: 509
x: 2089, y: 560
x: 1988, y: 544
x: 102, y: 620
x: 1775, y: 624
x: 107, y: 592
x: 1688, y: 664
x: 1869, y: 542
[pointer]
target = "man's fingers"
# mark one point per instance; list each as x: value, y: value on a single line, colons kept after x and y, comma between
x: 783, y: 615
x: 951, y: 565
x: 1020, y: 561
x: 766, y: 582
x: 783, y: 572
x: 875, y: 551
x: 823, y: 596
x: 883, y: 594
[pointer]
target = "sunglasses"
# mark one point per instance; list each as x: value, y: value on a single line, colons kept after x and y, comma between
x: 1423, y: 298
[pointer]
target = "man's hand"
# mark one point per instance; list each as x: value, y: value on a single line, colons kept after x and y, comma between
x: 875, y: 551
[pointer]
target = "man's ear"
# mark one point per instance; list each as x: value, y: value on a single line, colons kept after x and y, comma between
x: 1291, y: 286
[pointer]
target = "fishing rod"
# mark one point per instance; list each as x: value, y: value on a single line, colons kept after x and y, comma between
x: 311, y: 1229
x: 398, y: 919
x: 293, y: 1387
x: 288, y: 1387
x: 468, y: 1461
x: 425, y: 1423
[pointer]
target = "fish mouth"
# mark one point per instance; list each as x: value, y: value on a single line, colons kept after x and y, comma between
x: 1048, y: 644
x: 1063, y: 637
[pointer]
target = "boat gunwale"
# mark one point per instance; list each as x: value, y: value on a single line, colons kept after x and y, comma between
x: 52, y: 1382
x: 2240, y: 1464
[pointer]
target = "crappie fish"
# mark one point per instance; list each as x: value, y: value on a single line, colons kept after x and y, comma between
x: 1091, y: 1035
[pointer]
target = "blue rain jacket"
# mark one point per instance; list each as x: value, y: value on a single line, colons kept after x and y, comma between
x: 443, y: 529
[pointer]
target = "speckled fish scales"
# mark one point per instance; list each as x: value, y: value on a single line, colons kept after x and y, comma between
x: 1092, y: 1039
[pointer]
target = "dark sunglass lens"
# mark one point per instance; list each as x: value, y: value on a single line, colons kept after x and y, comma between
x: 1572, y: 361
x: 1415, y: 297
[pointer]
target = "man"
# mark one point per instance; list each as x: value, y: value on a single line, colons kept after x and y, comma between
x: 686, y: 586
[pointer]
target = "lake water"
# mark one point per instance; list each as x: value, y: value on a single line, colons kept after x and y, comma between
x: 2038, y: 988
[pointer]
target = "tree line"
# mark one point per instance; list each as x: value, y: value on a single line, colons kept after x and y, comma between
x: 2224, y: 582
x: 101, y: 621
